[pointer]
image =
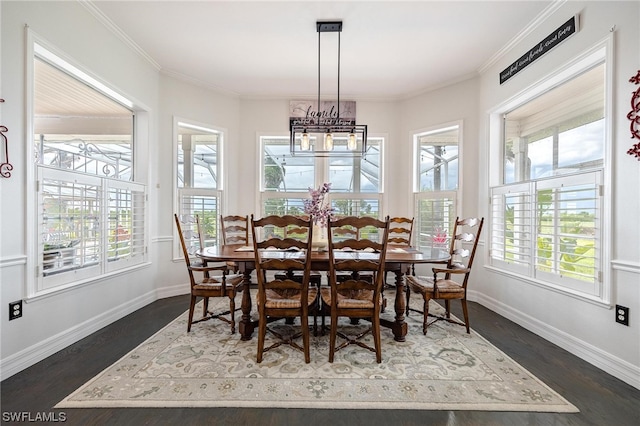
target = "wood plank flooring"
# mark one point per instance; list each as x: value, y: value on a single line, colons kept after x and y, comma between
x: 602, y: 399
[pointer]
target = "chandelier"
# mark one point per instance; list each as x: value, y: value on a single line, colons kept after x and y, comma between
x: 328, y: 132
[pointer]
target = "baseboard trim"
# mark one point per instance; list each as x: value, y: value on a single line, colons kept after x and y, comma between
x: 45, y: 348
x: 174, y: 290
x: 613, y: 365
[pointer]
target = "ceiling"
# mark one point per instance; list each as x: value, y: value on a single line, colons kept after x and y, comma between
x: 269, y: 49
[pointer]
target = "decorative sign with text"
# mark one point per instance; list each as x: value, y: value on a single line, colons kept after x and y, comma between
x: 305, y: 113
x: 552, y: 40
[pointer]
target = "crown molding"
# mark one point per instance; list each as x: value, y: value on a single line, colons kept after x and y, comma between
x: 108, y: 23
x: 533, y: 25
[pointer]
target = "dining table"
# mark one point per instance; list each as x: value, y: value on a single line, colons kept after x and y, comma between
x: 398, y: 259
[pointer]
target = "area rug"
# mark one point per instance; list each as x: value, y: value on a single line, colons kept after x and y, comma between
x: 209, y: 367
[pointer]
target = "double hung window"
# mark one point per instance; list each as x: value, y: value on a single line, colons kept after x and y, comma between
x: 437, y: 161
x: 90, y: 210
x: 199, y: 180
x: 547, y: 213
x: 356, y: 188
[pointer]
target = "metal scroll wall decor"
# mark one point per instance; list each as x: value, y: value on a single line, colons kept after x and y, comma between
x: 634, y: 116
x: 6, y: 167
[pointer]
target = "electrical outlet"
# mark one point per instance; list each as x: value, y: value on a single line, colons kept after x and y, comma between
x: 622, y: 315
x: 15, y: 310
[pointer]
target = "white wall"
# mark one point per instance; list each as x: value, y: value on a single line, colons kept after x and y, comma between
x: 182, y: 100
x: 264, y: 117
x: 49, y: 324
x: 52, y: 323
x: 586, y: 329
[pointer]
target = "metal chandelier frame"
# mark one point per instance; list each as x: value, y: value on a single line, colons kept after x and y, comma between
x: 328, y: 131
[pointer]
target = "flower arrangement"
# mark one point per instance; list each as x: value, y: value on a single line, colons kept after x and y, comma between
x: 439, y: 237
x: 317, y: 207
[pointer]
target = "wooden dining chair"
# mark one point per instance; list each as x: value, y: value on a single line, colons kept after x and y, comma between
x: 235, y: 230
x: 315, y: 278
x: 278, y: 295
x: 357, y: 297
x: 464, y: 241
x: 222, y: 284
x: 400, y: 235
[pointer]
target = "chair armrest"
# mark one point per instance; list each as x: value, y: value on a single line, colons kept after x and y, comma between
x: 223, y: 268
x: 449, y: 271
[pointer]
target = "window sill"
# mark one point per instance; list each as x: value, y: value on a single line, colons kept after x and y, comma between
x: 594, y: 300
x: 40, y: 295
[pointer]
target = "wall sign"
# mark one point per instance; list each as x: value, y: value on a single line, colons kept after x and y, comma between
x: 634, y: 116
x: 305, y: 113
x: 551, y: 41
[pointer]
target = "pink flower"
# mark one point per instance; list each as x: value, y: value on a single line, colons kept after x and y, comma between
x: 316, y: 206
x: 439, y: 236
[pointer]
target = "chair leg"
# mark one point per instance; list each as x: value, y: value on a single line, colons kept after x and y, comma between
x: 304, y: 322
x: 262, y: 331
x: 425, y: 309
x: 407, y: 291
x: 192, y: 307
x: 466, y: 314
x: 232, y: 308
x: 447, y: 308
x: 205, y: 307
x: 376, y: 338
x: 332, y: 336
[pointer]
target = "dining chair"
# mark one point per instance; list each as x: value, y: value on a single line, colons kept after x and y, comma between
x: 400, y: 235
x: 357, y: 297
x: 235, y: 230
x: 280, y: 296
x: 222, y: 284
x: 464, y: 241
x: 315, y: 278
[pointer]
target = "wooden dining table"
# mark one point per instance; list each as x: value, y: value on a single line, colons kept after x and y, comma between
x: 398, y: 260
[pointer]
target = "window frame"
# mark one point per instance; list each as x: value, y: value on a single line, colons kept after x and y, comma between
x: 180, y: 193
x: 601, y: 52
x: 321, y: 175
x: 447, y: 196
x: 34, y: 287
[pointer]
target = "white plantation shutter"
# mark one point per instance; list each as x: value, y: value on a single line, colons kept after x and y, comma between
x: 550, y: 230
x: 206, y: 205
x: 88, y: 226
x: 435, y: 213
x: 511, y: 223
x: 568, y: 217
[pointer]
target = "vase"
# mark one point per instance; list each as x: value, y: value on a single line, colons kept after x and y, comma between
x: 319, y: 241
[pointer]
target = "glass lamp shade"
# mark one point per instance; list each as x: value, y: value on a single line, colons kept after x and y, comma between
x: 304, y: 142
x: 352, y: 142
x: 328, y: 142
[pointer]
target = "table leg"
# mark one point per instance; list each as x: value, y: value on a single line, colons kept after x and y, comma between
x: 400, y: 330
x: 246, y: 326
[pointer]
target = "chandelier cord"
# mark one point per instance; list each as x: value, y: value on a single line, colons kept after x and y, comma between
x: 338, y: 106
x: 318, y: 118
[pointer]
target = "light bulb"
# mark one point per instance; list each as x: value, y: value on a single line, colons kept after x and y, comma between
x: 304, y: 142
x: 328, y: 142
x: 352, y: 143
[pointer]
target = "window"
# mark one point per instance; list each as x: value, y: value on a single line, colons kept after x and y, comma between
x: 90, y: 211
x: 547, y: 211
x: 435, y: 184
x: 199, y: 180
x: 355, y: 181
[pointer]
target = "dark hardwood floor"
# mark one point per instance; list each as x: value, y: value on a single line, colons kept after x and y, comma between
x: 602, y: 399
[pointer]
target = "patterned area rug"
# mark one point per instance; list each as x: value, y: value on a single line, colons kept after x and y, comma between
x: 208, y: 367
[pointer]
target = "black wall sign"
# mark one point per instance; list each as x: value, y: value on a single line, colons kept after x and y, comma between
x: 552, y: 40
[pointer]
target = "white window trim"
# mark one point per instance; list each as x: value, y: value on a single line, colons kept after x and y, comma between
x: 321, y: 170
x: 141, y: 136
x: 601, y: 51
x: 178, y: 192
x: 415, y: 177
